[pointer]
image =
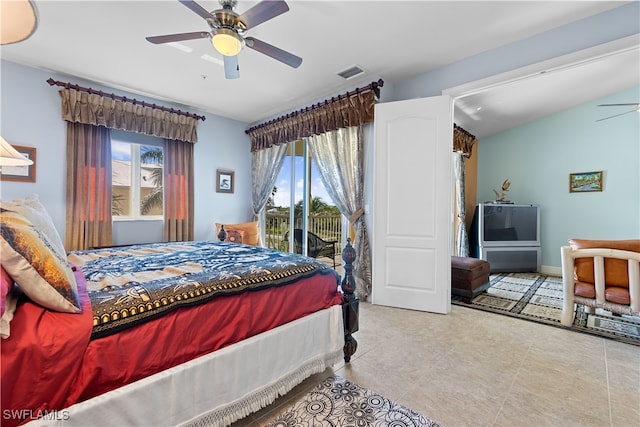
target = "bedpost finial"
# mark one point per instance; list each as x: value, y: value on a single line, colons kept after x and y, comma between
x: 222, y: 234
x: 348, y: 256
x: 348, y: 253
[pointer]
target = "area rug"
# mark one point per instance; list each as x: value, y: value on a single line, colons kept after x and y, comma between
x: 338, y: 402
x: 538, y: 297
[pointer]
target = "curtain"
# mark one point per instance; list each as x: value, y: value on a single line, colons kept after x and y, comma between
x: 335, y: 130
x: 342, y: 113
x: 461, y: 247
x: 265, y: 167
x: 463, y: 143
x: 89, y: 108
x: 178, y: 191
x: 94, y: 110
x: 339, y: 155
x: 88, y: 219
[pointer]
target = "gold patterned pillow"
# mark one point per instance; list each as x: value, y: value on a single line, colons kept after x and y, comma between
x: 37, y: 268
x: 32, y: 209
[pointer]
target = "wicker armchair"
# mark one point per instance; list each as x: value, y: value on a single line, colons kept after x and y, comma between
x: 601, y: 274
x: 316, y: 246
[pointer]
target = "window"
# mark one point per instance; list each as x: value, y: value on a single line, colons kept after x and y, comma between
x: 137, y: 174
x: 299, y: 185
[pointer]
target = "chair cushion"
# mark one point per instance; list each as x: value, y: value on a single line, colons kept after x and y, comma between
x: 585, y: 290
x: 616, y: 294
x: 616, y: 270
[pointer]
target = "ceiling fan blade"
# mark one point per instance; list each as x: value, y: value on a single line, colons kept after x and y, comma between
x: 274, y: 52
x: 620, y: 105
x: 621, y: 114
x: 263, y: 11
x: 195, y: 7
x: 178, y: 37
x: 231, y: 68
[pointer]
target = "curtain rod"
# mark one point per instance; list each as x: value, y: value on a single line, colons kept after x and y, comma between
x: 134, y: 101
x: 455, y: 126
x: 373, y: 86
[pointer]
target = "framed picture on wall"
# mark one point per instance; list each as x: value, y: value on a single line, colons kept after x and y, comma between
x: 585, y: 181
x: 21, y: 173
x: 224, y: 181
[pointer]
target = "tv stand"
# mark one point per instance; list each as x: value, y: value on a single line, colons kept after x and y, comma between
x: 507, y: 236
x: 512, y: 258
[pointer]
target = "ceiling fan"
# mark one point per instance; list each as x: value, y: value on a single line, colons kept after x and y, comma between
x: 635, y: 104
x: 228, y: 32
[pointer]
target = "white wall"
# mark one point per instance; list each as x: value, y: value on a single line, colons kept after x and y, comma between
x: 30, y: 116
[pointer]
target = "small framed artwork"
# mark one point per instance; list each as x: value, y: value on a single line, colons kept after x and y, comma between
x: 21, y: 173
x: 224, y: 181
x: 585, y: 181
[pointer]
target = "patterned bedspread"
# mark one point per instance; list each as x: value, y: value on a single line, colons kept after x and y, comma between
x: 133, y: 284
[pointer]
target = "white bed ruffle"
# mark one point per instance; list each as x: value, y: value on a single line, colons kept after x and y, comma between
x: 223, y: 386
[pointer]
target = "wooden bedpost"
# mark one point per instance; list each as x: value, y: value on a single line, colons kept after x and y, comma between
x: 350, y: 304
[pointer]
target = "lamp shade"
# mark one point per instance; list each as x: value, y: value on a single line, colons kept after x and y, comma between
x: 18, y: 20
x: 9, y: 156
x: 227, y: 42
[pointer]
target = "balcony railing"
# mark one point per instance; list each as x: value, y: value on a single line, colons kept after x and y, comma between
x: 327, y: 227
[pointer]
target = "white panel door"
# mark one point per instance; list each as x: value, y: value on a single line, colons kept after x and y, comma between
x: 412, y: 204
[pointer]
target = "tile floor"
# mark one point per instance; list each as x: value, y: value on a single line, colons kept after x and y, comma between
x: 472, y: 368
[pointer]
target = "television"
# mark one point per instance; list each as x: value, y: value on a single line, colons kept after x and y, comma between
x: 504, y: 225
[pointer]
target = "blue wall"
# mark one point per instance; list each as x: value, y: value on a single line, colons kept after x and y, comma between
x: 539, y: 168
x: 30, y: 116
x: 538, y: 157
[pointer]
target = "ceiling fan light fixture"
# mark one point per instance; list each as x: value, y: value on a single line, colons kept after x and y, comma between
x: 227, y: 42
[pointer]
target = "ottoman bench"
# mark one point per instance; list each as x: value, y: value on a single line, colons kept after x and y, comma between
x: 469, y: 277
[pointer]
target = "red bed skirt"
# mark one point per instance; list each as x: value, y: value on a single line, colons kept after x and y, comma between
x: 49, y: 363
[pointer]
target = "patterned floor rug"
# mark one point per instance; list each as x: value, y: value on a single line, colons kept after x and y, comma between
x: 538, y: 297
x: 338, y: 402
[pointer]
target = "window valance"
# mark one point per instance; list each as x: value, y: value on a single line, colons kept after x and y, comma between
x: 341, y: 113
x: 93, y: 109
x: 463, y: 141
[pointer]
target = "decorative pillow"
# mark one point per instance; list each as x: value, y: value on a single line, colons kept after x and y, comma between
x: 7, y: 285
x: 32, y: 209
x: 250, y: 232
x: 7, y: 315
x: 234, y: 236
x: 40, y: 272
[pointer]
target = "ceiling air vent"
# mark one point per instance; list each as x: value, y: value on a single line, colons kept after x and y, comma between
x: 350, y: 72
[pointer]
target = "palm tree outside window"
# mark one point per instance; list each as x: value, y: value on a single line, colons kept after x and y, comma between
x: 137, y: 180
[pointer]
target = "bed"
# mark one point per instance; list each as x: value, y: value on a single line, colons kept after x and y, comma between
x: 183, y: 333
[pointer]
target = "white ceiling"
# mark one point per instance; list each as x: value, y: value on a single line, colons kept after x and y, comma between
x: 104, y: 42
x: 512, y: 103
